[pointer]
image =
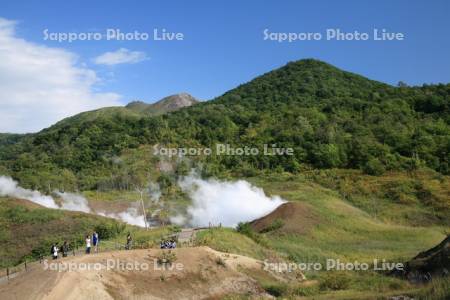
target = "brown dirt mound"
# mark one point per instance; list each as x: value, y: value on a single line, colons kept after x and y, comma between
x: 294, y: 218
x: 205, y: 274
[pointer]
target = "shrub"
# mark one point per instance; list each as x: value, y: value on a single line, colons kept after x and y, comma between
x: 175, y: 228
x: 108, y: 230
x: 166, y: 257
x: 335, y: 281
x: 246, y: 229
x: 374, y: 167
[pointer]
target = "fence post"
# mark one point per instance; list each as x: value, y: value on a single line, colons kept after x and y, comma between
x: 26, y: 265
x: 7, y: 273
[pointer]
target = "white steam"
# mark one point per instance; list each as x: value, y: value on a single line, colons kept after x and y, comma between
x: 73, y: 202
x: 9, y: 187
x: 213, y: 202
x: 69, y: 201
x: 227, y: 203
x: 154, y: 191
x: 130, y: 216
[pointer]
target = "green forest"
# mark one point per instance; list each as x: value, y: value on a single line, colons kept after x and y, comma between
x: 331, y: 118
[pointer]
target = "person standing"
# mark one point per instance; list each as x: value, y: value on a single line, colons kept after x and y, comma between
x: 129, y: 241
x: 95, y: 241
x: 65, y: 249
x: 55, y: 251
x: 88, y: 245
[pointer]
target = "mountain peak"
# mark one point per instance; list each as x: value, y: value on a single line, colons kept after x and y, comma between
x: 176, y: 101
x: 306, y: 79
x: 166, y: 104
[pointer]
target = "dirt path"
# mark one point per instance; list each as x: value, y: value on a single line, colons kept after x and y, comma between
x: 186, y: 235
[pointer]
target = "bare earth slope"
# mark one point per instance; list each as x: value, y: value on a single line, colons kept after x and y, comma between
x: 202, y: 273
x: 296, y: 217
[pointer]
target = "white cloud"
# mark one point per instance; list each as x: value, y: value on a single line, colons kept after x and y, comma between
x: 120, y: 56
x: 40, y: 85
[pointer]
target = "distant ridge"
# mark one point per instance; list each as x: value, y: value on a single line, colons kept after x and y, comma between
x: 134, y: 109
x: 167, y: 104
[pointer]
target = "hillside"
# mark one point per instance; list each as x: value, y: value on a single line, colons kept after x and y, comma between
x: 28, y: 230
x: 318, y: 224
x: 331, y: 118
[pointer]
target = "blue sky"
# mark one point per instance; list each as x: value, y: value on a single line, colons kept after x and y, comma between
x: 223, y: 42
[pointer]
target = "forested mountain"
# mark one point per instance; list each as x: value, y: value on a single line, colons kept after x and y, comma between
x: 135, y: 109
x: 331, y: 118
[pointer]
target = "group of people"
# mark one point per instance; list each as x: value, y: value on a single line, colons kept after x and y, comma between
x: 65, y: 247
x: 168, y: 244
x: 92, y: 242
x: 55, y: 250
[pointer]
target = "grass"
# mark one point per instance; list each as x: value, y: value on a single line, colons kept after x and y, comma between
x: 415, y: 199
x: 436, y: 290
x: 112, y: 196
x: 230, y: 241
x: 345, y: 232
